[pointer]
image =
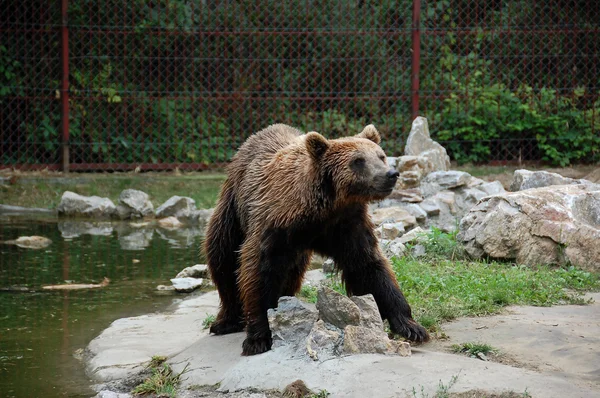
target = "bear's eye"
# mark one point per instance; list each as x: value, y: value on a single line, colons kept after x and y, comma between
x: 358, y: 162
x: 382, y: 158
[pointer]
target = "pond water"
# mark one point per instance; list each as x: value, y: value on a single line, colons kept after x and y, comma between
x: 42, y: 331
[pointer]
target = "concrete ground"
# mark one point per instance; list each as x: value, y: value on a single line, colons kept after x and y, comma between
x: 554, y: 352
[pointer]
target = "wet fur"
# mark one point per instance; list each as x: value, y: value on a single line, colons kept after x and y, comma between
x: 288, y: 195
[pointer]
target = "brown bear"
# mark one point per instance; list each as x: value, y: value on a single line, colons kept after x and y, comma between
x: 289, y: 195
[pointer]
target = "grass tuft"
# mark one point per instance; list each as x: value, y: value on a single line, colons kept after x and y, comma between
x: 473, y: 349
x: 210, y: 318
x: 163, y: 381
x: 443, y: 390
x: 308, y: 293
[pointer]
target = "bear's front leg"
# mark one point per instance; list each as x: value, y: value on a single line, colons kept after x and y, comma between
x: 365, y: 270
x: 264, y: 263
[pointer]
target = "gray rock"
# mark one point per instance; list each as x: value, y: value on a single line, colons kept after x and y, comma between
x: 525, y: 179
x: 362, y: 340
x: 369, y: 312
x: 416, y: 211
x: 291, y: 321
x: 74, y: 205
x: 392, y: 248
x: 170, y: 223
x: 337, y: 309
x: 492, y: 188
x: 392, y: 230
x: 419, y: 143
x: 430, y: 206
x: 196, y: 217
x: 74, y: 229
x: 418, y: 251
x: 392, y: 161
x: 134, y: 204
x: 412, y: 169
x: 411, y: 195
x: 442, y: 180
x: 111, y: 394
x: 393, y: 215
x: 401, y: 348
x: 322, y: 342
x: 411, y: 235
x: 195, y: 271
x: 328, y: 266
x: 550, y: 225
x: 186, y: 285
x: 177, y: 206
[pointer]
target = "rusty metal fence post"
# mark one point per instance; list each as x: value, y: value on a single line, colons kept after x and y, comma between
x: 416, y: 58
x: 64, y: 86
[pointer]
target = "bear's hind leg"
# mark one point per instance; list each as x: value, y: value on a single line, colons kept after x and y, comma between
x: 223, y: 240
x: 265, y: 263
x: 293, y: 280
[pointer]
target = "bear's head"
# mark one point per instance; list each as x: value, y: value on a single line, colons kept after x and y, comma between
x: 356, y: 166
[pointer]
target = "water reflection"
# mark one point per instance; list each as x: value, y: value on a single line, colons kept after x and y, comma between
x: 40, y: 331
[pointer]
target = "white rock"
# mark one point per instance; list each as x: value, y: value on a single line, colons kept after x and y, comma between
x: 177, y: 206
x: 419, y: 143
x: 186, y: 285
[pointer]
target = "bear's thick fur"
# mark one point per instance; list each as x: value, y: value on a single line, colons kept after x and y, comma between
x: 290, y: 194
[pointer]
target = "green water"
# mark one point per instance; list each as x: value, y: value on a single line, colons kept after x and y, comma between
x: 42, y: 331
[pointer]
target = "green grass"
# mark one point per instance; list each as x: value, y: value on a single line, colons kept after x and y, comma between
x: 45, y: 192
x: 162, y: 382
x: 308, y: 294
x: 443, y: 390
x: 440, y: 288
x: 472, y: 349
x: 208, y: 321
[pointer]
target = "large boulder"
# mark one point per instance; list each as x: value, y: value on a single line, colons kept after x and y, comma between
x: 441, y: 180
x: 419, y: 143
x: 550, y: 225
x: 412, y: 169
x: 75, y: 205
x: 525, y: 179
x: 134, y: 204
x: 177, y: 206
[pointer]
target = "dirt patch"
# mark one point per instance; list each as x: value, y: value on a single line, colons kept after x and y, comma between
x: 485, y: 394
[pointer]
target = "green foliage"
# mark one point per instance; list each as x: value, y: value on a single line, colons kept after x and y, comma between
x: 472, y: 349
x: 441, y: 244
x: 209, y: 320
x: 308, y: 293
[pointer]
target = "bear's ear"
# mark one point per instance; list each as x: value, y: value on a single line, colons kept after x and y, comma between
x: 370, y: 133
x: 316, y: 145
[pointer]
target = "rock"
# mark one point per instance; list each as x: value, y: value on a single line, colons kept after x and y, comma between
x: 411, y: 235
x: 416, y: 211
x: 74, y: 205
x: 30, y: 242
x: 291, y: 321
x: 392, y: 248
x: 492, y: 188
x: 74, y: 229
x: 362, y: 340
x: 369, y: 312
x: 482, y: 356
x: 196, y: 271
x: 550, y: 225
x: 430, y: 206
x: 401, y: 348
x: 177, y: 206
x: 392, y: 161
x: 442, y: 180
x: 197, y: 217
x: 170, y: 222
x: 328, y: 266
x: 593, y: 177
x: 393, y: 215
x: 411, y: 195
x: 337, y: 309
x: 476, y: 182
x: 134, y: 204
x: 186, y: 285
x: 419, y: 143
x: 323, y: 343
x: 165, y: 288
x: 418, y: 251
x: 111, y: 394
x: 138, y: 240
x: 525, y: 179
x: 391, y: 231
x: 412, y: 169
x: 314, y: 277
x: 466, y: 198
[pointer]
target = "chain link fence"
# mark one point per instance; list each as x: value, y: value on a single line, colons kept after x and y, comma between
x: 165, y: 84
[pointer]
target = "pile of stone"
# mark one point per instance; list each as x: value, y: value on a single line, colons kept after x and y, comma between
x: 188, y: 280
x: 176, y: 212
x: 550, y: 219
x: 337, y: 326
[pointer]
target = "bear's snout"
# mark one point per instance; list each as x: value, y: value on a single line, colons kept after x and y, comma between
x: 392, y: 174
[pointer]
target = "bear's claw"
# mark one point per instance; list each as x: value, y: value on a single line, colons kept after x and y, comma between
x: 256, y: 345
x: 226, y: 327
x: 409, y: 329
